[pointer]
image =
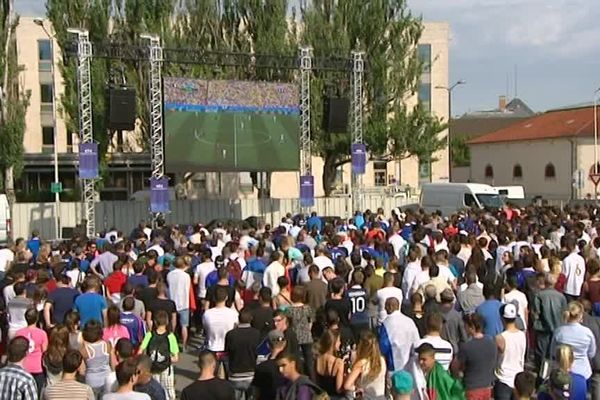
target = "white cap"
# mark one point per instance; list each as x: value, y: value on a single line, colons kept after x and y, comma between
x: 510, y: 311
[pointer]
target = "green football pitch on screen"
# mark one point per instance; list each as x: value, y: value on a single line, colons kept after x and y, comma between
x: 231, y: 141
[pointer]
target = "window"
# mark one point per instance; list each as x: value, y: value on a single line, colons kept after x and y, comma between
x: 517, y: 172
x: 44, y: 50
x: 425, y: 95
x: 69, y: 142
x: 47, y: 139
x: 380, y: 171
x: 470, y: 200
x: 489, y: 172
x: 424, y: 51
x: 46, y: 93
x: 550, y: 171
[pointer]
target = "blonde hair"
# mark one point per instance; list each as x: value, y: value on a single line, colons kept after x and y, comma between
x: 564, y: 357
x: 555, y: 265
x: 574, y: 312
x: 368, y: 349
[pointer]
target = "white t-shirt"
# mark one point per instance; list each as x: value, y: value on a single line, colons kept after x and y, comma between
x: 520, y: 298
x: 126, y: 396
x: 272, y: 272
x: 159, y: 250
x: 446, y: 273
x: 382, y: 295
x: 6, y: 257
x: 443, y: 349
x: 421, y: 278
x: 512, y: 360
x: 202, y: 271
x: 397, y: 243
x: 217, y: 322
x: 179, y: 288
x: 322, y: 262
x: 573, y: 267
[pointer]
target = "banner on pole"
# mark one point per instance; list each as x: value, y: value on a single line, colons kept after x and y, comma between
x: 159, y: 195
x: 307, y: 191
x: 88, y: 160
x: 359, y: 158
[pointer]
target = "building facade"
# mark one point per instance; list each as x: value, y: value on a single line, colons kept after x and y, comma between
x: 551, y: 155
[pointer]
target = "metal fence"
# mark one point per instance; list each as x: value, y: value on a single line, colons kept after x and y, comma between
x: 125, y: 215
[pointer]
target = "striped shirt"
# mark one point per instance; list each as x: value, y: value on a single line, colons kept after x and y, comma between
x: 16, y: 384
x: 68, y: 390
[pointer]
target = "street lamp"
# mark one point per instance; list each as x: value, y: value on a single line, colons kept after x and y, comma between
x: 449, y: 90
x: 596, y: 93
x: 40, y: 22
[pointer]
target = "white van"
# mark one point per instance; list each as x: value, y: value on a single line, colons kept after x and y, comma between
x: 5, y: 222
x: 450, y: 198
x: 511, y: 192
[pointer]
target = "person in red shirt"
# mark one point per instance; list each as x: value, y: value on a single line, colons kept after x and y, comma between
x: 114, y: 282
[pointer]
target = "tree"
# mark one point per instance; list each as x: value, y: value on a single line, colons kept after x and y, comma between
x: 13, y: 100
x: 388, y: 34
x: 461, y: 154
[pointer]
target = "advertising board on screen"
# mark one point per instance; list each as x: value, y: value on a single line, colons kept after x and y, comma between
x: 223, y: 125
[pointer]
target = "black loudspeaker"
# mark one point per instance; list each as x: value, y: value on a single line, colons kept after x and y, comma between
x: 335, y: 114
x: 121, y: 105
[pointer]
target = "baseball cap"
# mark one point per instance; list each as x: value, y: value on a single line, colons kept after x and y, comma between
x: 509, y: 311
x: 275, y: 336
x: 402, y: 382
x: 560, y: 384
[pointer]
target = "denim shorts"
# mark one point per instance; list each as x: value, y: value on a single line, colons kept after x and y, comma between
x: 184, y: 317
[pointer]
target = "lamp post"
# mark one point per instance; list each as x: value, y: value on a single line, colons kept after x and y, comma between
x: 449, y: 89
x: 40, y: 22
x: 596, y: 92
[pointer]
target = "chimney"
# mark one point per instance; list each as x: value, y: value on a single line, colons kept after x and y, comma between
x: 502, y: 103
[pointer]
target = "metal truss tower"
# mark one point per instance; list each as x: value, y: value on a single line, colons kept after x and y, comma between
x: 305, y: 74
x: 358, y: 68
x: 84, y: 84
x: 156, y: 106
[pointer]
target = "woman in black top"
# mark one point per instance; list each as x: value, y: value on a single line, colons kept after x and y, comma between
x: 329, y: 367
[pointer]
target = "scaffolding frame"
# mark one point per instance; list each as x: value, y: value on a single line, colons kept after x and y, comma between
x: 84, y: 84
x: 358, y: 68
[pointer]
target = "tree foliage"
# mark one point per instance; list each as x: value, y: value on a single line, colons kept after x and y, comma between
x: 388, y: 34
x: 461, y: 154
x: 14, y: 101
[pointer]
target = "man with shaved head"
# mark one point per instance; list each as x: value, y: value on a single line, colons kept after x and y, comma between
x: 397, y: 335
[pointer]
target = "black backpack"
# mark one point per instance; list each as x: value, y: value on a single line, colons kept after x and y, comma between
x: 159, y: 352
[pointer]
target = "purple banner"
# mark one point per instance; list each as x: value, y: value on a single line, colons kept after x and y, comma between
x: 307, y: 191
x: 159, y: 195
x: 88, y: 160
x: 359, y: 158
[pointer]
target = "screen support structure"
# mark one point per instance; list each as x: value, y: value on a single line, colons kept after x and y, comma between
x: 305, y: 76
x: 157, y: 155
x: 84, y: 87
x: 358, y: 68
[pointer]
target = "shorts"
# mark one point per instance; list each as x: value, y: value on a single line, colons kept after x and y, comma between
x: 184, y: 317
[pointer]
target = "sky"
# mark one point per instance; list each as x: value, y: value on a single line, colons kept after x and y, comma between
x: 554, y: 46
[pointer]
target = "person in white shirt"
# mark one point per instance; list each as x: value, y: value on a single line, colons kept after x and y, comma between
x: 573, y: 267
x: 219, y: 320
x: 321, y: 260
x: 397, y: 336
x: 156, y: 247
x: 7, y: 256
x: 514, y: 296
x: 413, y: 268
x: 441, y: 260
x: 397, y: 242
x: 387, y: 291
x: 202, y: 270
x: 274, y: 271
x: 423, y: 276
x: 179, y: 282
x: 443, y: 348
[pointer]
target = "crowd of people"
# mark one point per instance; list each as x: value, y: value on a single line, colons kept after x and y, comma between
x: 482, y: 304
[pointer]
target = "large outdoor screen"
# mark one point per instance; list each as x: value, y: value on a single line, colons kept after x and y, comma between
x: 223, y: 125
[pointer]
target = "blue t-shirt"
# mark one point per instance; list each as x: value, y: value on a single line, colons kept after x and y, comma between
x: 138, y: 280
x: 90, y: 306
x: 134, y: 326
x: 33, y: 245
x: 84, y: 265
x: 578, y: 390
x: 314, y: 222
x: 62, y: 300
x: 489, y: 310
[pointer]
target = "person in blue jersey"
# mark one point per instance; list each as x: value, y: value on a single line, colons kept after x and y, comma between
x: 34, y: 243
x: 314, y: 222
x: 358, y: 296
